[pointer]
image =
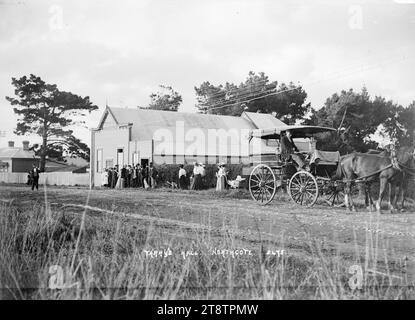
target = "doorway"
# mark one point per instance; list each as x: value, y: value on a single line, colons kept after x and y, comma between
x: 120, y: 157
x: 144, y: 162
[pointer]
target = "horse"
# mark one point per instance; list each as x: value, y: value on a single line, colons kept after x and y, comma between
x: 402, y: 180
x: 363, y: 167
x: 398, y: 189
x: 367, y: 185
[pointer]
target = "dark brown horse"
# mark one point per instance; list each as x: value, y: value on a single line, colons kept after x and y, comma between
x: 399, y: 185
x: 367, y: 184
x: 363, y: 167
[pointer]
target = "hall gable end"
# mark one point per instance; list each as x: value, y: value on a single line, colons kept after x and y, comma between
x: 108, y: 120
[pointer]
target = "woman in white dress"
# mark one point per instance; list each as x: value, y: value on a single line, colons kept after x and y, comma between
x: 104, y: 178
x: 221, y: 177
x: 120, y: 181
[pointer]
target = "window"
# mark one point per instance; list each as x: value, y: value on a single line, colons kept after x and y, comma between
x: 120, y: 157
x: 4, y: 166
x: 99, y: 160
x: 109, y: 163
x: 136, y: 158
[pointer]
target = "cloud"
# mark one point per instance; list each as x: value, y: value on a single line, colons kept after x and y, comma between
x: 121, y: 51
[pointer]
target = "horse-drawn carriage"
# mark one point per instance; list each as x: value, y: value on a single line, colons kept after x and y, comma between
x: 303, y: 186
x: 330, y: 176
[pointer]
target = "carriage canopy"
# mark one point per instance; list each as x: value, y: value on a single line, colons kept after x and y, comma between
x: 298, y: 131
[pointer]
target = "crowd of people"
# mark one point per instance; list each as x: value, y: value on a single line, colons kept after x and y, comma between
x: 128, y: 176
x: 197, y: 179
x: 142, y: 176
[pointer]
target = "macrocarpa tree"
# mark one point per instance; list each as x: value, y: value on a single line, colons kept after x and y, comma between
x: 166, y: 99
x: 359, y: 118
x: 256, y: 94
x: 46, y: 111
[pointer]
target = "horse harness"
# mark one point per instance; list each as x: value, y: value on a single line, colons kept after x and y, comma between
x: 395, y: 164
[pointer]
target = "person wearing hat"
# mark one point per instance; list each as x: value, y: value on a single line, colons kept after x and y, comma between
x: 221, y: 177
x: 192, y: 176
x: 153, y: 174
x: 34, y: 174
x: 197, y: 177
x: 202, y: 171
x: 290, y: 151
x: 182, y: 177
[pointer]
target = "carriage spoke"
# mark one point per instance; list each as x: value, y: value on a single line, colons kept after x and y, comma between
x: 267, y: 192
x: 331, y: 196
x: 270, y: 184
x: 256, y: 193
x: 307, y: 198
x: 336, y: 196
x: 298, y: 197
x: 260, y: 196
x: 269, y: 187
x: 254, y: 180
x: 295, y: 192
x: 302, y: 198
x: 311, y: 195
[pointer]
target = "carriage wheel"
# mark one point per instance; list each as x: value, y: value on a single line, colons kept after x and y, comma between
x: 334, y: 195
x: 262, y: 184
x: 303, y: 188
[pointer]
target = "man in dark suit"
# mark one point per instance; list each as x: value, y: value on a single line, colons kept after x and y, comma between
x: 290, y: 150
x: 123, y: 176
x: 34, y: 173
x: 114, y: 176
x: 109, y: 181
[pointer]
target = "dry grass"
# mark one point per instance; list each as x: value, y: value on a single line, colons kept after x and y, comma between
x: 102, y: 257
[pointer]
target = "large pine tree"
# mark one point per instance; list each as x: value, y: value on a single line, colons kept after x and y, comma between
x: 46, y: 111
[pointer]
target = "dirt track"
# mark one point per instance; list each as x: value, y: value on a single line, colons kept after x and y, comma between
x: 281, y: 221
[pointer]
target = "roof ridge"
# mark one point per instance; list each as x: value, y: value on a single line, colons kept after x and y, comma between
x: 175, y: 112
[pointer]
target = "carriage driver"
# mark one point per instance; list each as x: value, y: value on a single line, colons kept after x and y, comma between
x: 289, y: 149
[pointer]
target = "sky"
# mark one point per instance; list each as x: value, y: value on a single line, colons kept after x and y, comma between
x: 119, y: 52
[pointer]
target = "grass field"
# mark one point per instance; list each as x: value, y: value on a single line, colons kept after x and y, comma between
x: 73, y: 243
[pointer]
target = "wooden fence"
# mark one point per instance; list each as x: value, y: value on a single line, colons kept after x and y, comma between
x: 51, y: 178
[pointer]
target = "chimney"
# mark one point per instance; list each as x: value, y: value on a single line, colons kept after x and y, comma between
x: 25, y: 145
x: 11, y: 144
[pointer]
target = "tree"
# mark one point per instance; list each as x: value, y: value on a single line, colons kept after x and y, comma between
x: 46, y: 111
x: 256, y: 94
x: 165, y: 99
x: 400, y: 125
x: 73, y: 148
x: 356, y: 116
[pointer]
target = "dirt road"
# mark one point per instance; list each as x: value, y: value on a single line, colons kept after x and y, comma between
x: 281, y: 223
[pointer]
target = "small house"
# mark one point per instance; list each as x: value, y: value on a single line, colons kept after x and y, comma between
x: 17, y: 159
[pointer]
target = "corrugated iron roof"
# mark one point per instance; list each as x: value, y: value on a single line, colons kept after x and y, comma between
x: 263, y: 120
x: 146, y: 121
x: 16, y: 152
